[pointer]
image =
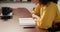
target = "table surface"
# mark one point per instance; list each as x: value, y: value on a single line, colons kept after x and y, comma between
x: 12, y: 25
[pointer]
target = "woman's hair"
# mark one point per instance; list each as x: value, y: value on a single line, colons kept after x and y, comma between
x: 44, y: 2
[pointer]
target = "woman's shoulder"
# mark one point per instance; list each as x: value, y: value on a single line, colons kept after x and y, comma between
x: 52, y: 4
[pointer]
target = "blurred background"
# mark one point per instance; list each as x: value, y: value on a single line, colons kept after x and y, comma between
x: 20, y: 4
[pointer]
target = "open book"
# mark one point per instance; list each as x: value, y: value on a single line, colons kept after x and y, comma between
x: 27, y: 22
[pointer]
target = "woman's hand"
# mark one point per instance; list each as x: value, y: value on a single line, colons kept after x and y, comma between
x: 35, y: 17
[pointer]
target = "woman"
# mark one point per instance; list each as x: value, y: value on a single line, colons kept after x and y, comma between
x: 46, y: 13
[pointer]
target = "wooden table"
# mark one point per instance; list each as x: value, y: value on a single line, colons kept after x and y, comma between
x: 12, y: 25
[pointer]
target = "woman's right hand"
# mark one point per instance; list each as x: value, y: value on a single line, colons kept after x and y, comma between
x: 35, y: 17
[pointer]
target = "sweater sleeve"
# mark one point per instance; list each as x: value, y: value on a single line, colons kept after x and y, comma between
x: 36, y: 10
x: 46, y: 20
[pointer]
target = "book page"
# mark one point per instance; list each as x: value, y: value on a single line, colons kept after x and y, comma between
x: 26, y: 21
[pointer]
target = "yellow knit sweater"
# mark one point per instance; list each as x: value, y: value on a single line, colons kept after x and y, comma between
x: 47, y: 15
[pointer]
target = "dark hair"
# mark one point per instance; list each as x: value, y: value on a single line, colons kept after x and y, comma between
x: 44, y: 2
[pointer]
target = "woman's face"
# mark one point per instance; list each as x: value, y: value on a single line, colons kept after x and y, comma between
x: 35, y: 1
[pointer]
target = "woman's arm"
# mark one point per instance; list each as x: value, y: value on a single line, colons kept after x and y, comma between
x: 46, y: 20
x: 36, y: 10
